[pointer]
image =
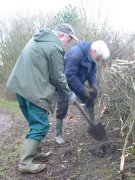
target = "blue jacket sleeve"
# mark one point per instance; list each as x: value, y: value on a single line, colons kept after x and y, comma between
x: 92, y: 76
x: 72, y: 61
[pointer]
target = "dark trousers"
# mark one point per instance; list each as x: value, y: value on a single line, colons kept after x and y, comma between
x: 62, y: 106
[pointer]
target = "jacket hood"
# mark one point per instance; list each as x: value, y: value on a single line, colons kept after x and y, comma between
x: 46, y: 35
x: 84, y: 47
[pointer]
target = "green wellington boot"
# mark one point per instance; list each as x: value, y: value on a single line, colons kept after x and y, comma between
x: 41, y: 155
x: 29, y: 151
x: 59, y: 139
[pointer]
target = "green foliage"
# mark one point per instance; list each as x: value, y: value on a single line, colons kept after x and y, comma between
x: 133, y: 150
x: 69, y: 15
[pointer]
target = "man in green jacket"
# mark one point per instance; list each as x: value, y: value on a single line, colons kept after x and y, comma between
x: 35, y: 78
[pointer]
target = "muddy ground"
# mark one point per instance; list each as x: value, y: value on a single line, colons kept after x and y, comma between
x: 81, y: 158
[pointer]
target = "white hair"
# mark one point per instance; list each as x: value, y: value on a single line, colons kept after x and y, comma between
x: 101, y: 48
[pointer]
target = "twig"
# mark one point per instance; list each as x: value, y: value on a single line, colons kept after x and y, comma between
x: 125, y: 146
x: 103, y: 111
x: 122, y: 124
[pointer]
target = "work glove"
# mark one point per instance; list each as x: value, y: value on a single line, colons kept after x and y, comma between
x: 72, y: 98
x: 87, y: 92
x: 91, y: 94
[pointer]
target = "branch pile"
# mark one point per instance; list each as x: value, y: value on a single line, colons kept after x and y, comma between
x: 118, y: 94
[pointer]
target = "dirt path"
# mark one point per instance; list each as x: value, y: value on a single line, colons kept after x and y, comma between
x: 81, y: 158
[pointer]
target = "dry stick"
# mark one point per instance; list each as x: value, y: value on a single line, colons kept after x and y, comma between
x: 103, y: 111
x: 121, y: 79
x: 122, y: 125
x: 125, y: 146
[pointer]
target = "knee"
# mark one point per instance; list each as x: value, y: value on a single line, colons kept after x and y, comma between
x: 62, y: 113
x: 62, y: 110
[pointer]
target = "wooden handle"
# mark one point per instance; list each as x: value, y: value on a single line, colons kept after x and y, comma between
x: 84, y: 113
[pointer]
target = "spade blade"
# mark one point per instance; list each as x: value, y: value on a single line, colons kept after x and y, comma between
x: 98, y: 132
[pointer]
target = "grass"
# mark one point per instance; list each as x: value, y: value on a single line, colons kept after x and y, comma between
x: 10, y: 158
x: 109, y: 173
x: 11, y: 106
x: 9, y: 155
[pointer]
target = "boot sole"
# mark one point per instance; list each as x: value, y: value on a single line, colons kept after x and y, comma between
x: 33, y: 172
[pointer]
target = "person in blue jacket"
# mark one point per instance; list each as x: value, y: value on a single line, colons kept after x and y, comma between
x: 80, y: 66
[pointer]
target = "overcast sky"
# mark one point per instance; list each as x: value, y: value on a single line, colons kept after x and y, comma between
x: 121, y: 13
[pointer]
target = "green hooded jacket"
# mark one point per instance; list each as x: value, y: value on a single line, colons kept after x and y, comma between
x: 38, y: 72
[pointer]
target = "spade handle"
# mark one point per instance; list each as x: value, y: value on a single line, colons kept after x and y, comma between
x: 84, y: 113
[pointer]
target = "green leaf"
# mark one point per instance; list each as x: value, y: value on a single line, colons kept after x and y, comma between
x: 133, y: 150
